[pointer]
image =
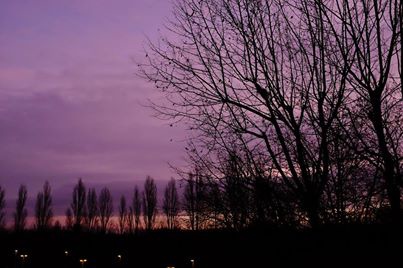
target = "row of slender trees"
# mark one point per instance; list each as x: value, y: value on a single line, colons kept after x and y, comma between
x: 43, y: 208
x: 231, y: 190
x: 93, y: 212
x: 295, y: 106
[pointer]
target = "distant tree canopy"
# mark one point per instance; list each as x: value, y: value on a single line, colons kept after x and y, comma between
x: 171, y: 204
x: 136, y: 207
x: 78, y: 205
x: 93, y: 211
x: 297, y: 106
x: 43, y: 208
x: 123, y: 214
x: 149, y: 203
x: 69, y: 219
x: 2, y: 208
x: 194, y: 198
x: 20, y: 214
x: 105, y: 208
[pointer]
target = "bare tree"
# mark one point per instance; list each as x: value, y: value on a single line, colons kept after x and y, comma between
x: 92, y: 207
x: 190, y: 203
x: 69, y: 219
x: 136, y: 207
x: 237, y: 187
x: 2, y: 208
x: 194, y: 197
x: 289, y: 76
x: 236, y: 192
x: 131, y: 227
x: 43, y: 208
x: 123, y: 214
x: 105, y: 208
x: 20, y: 215
x: 171, y: 204
x: 78, y: 205
x: 367, y: 35
x: 149, y: 203
x: 259, y: 69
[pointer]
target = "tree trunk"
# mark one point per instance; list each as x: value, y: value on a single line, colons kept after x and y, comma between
x: 389, y: 175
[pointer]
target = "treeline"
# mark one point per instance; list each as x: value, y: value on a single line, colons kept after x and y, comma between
x: 236, y: 189
x: 231, y: 192
x: 92, y: 211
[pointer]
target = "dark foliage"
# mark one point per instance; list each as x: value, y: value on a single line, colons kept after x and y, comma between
x: 43, y: 208
x: 2, y: 208
x: 149, y: 203
x: 78, y: 205
x: 21, y: 213
x: 105, y: 209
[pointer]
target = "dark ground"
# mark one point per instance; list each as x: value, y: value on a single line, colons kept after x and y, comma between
x: 348, y: 246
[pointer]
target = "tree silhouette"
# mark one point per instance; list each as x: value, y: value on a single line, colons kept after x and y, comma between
x: 236, y: 193
x: 171, y: 204
x: 78, y: 205
x: 92, y: 207
x: 136, y: 207
x: 2, y: 208
x: 194, y: 200
x: 20, y: 215
x: 149, y: 202
x: 43, y: 208
x: 376, y: 87
x: 131, y: 227
x: 123, y: 214
x: 289, y: 77
x: 69, y: 219
x: 105, y: 208
x: 237, y: 189
x: 190, y: 203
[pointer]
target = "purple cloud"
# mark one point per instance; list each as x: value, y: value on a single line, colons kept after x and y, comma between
x: 70, y: 103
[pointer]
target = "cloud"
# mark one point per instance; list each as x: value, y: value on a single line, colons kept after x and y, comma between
x: 70, y: 102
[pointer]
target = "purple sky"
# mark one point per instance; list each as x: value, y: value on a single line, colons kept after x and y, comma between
x: 70, y: 102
